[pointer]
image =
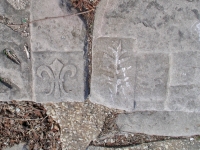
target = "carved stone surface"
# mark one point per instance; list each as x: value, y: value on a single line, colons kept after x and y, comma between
x: 113, y: 75
x: 151, y: 81
x: 19, y: 75
x: 58, y: 76
x: 185, y: 68
x: 184, y: 98
x: 165, y: 73
x: 125, y: 79
x: 57, y: 45
x: 163, y: 26
x: 55, y: 71
x: 185, y: 80
x: 57, y: 34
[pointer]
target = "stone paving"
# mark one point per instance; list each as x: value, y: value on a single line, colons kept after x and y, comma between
x: 146, y: 54
x: 160, y: 123
x: 144, y: 60
x: 20, y: 75
x: 58, y: 47
x: 55, y: 71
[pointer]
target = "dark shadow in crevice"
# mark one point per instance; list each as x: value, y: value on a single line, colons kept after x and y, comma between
x: 67, y: 6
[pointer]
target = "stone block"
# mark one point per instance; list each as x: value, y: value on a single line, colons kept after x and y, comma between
x: 58, y: 76
x: 161, y: 123
x: 55, y: 34
x: 151, y: 81
x: 184, y: 98
x: 19, y: 75
x: 15, y: 10
x: 185, y: 68
x: 113, y: 75
x: 158, y: 26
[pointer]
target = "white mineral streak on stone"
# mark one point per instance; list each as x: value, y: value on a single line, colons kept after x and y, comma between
x: 198, y: 27
x: 158, y: 38
x: 58, y: 53
x: 18, y: 4
x: 112, y: 78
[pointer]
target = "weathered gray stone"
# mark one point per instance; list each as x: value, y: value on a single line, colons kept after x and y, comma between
x: 57, y: 45
x: 160, y: 123
x: 151, y: 81
x: 185, y: 68
x: 58, y: 76
x: 196, y: 29
x: 184, y: 84
x: 113, y: 77
x: 117, y: 83
x: 166, y: 40
x: 19, y: 75
x: 15, y: 16
x: 184, y: 98
x: 55, y: 34
x: 164, y: 25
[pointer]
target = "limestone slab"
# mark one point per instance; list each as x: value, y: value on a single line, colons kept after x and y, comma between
x: 19, y: 75
x: 113, y: 76
x: 55, y: 34
x: 55, y: 71
x: 161, y: 26
x: 165, y: 52
x: 184, y: 98
x: 151, y: 81
x: 160, y: 123
x: 125, y: 79
x: 57, y: 44
x: 185, y: 68
x: 58, y: 76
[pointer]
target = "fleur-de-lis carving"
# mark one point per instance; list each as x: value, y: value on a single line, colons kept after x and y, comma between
x: 56, y: 72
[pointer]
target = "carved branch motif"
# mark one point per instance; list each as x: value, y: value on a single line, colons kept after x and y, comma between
x: 56, y: 72
x: 116, y: 73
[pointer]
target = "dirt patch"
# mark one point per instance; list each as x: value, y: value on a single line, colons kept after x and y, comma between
x: 28, y: 122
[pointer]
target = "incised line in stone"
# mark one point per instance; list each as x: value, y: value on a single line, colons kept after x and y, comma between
x: 117, y: 78
x: 56, y: 71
